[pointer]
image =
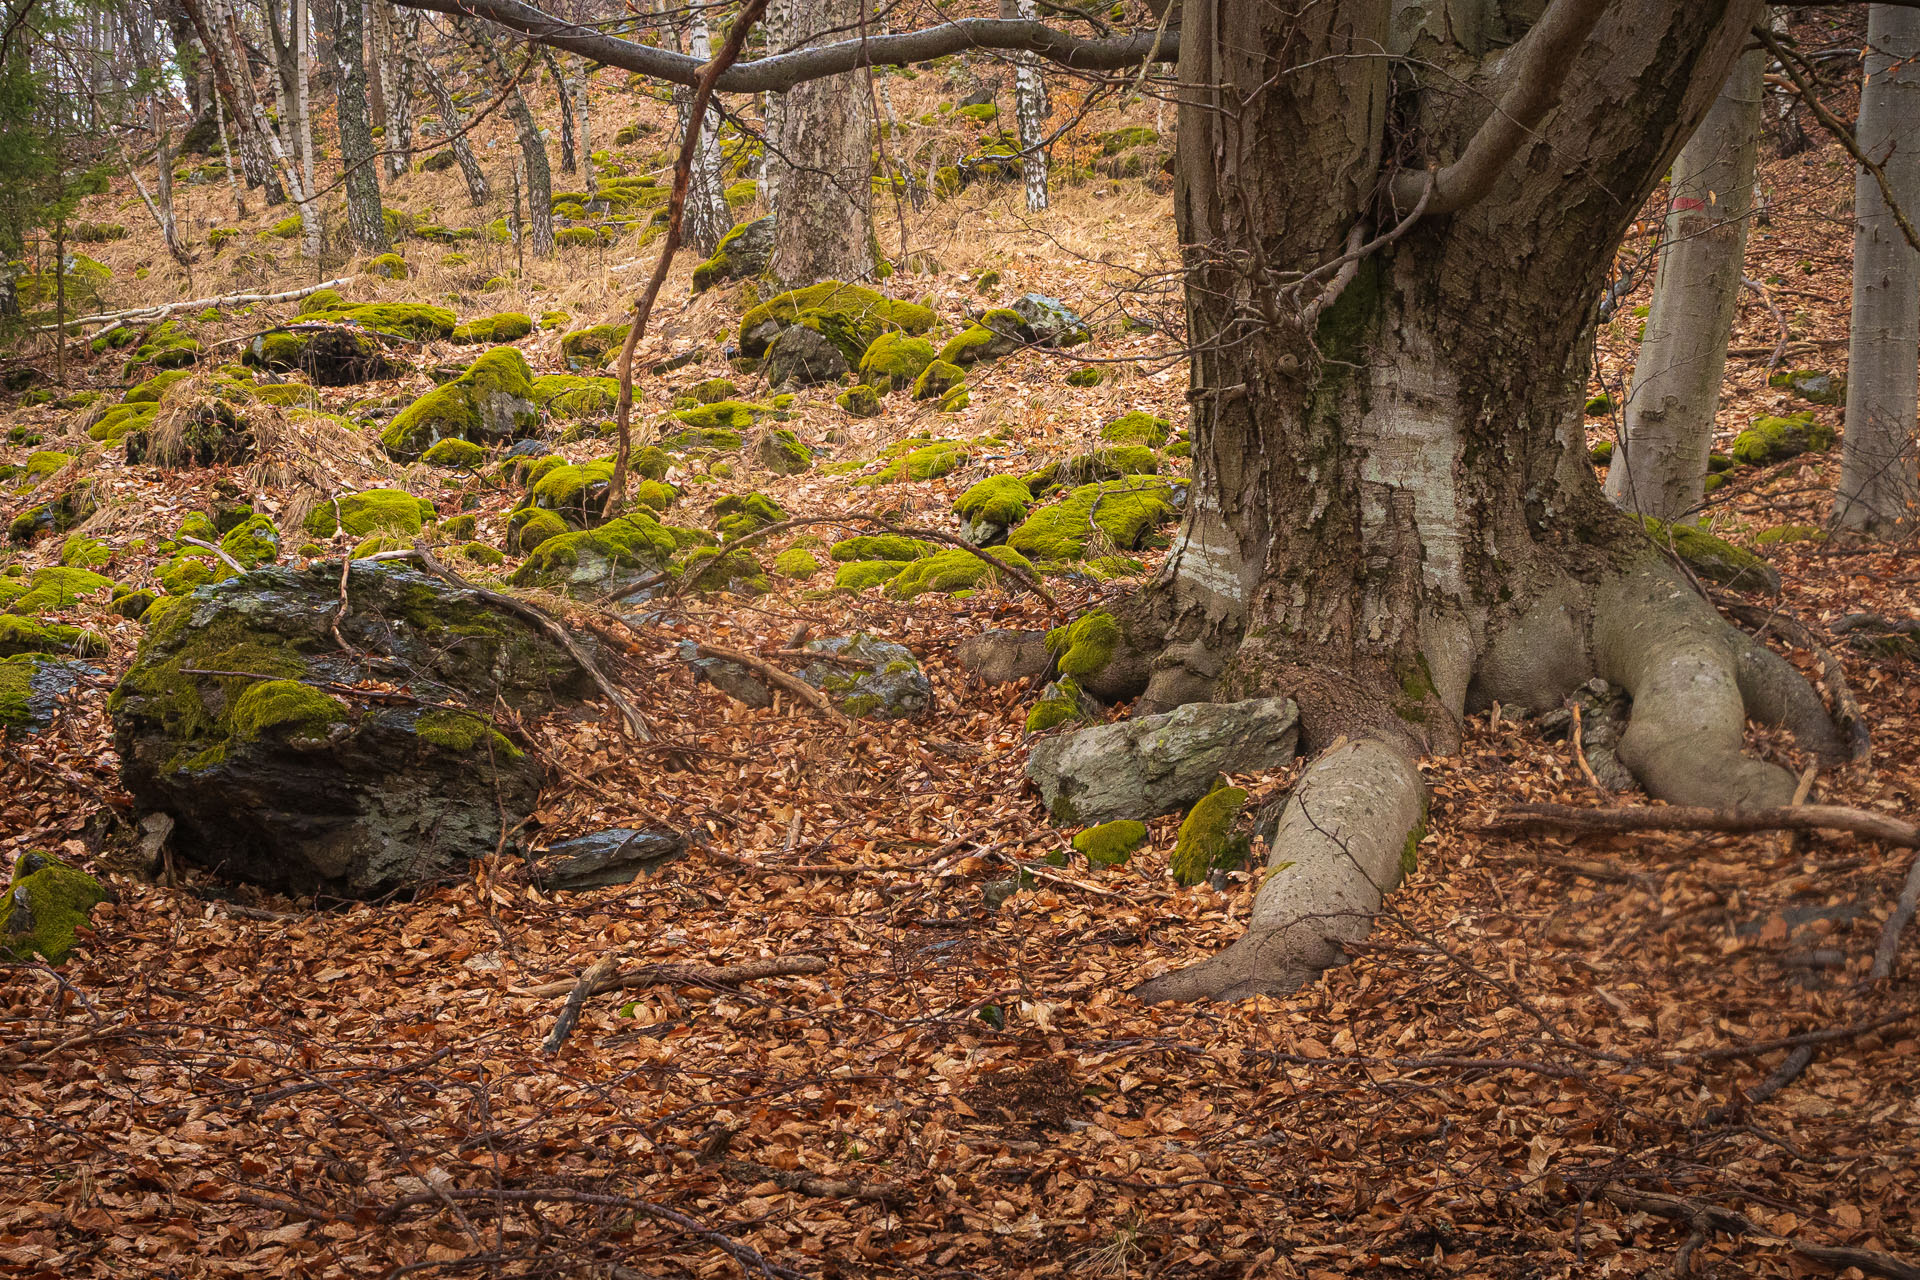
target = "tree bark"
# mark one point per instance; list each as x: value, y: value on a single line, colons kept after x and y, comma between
x: 707, y: 217
x: 568, y: 163
x: 1880, y: 453
x: 453, y: 124
x: 399, y: 33
x: 778, y: 29
x: 1659, y: 466
x: 823, y: 218
x: 533, y: 149
x: 1030, y: 112
x: 364, y: 221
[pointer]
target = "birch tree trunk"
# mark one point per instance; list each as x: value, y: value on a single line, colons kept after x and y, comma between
x: 1030, y: 113
x: 453, y: 123
x: 823, y: 218
x: 583, y: 122
x: 365, y: 224
x: 399, y: 31
x: 568, y: 162
x: 778, y: 29
x: 1880, y: 453
x: 533, y: 149
x: 706, y: 217
x: 226, y: 156
x: 141, y: 44
x: 1659, y: 465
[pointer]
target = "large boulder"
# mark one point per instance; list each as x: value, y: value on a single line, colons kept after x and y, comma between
x: 1049, y: 321
x: 1160, y: 764
x: 491, y: 403
x: 801, y: 356
x: 741, y: 254
x: 330, y: 355
x: 232, y: 721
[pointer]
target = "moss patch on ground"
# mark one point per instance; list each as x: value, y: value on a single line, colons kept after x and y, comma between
x: 1123, y: 512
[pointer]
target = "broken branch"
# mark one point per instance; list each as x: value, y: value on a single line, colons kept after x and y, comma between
x: 1811, y: 817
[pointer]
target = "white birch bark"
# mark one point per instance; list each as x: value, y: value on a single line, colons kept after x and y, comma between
x: 453, y: 124
x: 1880, y: 461
x: 1030, y: 113
x: 706, y: 217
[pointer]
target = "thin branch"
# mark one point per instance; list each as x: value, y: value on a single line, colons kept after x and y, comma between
x: 1809, y: 817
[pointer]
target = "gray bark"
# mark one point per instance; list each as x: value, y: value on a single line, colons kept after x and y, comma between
x: 705, y: 217
x: 399, y: 32
x: 1880, y: 461
x: 1030, y: 111
x: 453, y: 124
x: 364, y: 222
x: 823, y: 221
x: 778, y: 28
x: 533, y: 148
x: 1659, y: 467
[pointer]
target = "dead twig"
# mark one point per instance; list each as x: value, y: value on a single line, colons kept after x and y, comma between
x: 785, y: 679
x: 892, y: 1195
x: 1812, y: 817
x: 685, y: 975
x: 596, y: 973
x: 231, y: 563
x: 1696, y: 1212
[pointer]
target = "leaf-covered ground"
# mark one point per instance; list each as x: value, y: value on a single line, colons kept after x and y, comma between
x: 1540, y: 1064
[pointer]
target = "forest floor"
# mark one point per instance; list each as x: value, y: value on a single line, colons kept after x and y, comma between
x: 1540, y: 1064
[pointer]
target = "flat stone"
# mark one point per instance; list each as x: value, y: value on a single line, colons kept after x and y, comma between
x: 1001, y: 655
x: 619, y: 855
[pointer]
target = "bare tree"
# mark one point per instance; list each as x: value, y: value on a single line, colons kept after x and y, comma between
x: 1880, y: 454
x: 823, y: 215
x: 707, y: 216
x: 398, y: 31
x: 1659, y: 465
x: 365, y: 222
x: 533, y: 149
x: 1030, y: 113
x: 453, y: 125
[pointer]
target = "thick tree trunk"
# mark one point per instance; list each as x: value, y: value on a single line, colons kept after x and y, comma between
x: 453, y: 124
x: 706, y: 216
x: 777, y: 27
x: 823, y: 221
x: 364, y: 221
x: 1880, y: 461
x: 533, y: 149
x: 1660, y: 464
x: 1392, y: 519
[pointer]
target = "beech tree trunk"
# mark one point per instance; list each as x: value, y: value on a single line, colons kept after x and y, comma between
x: 453, y: 123
x: 823, y: 218
x: 1659, y: 466
x: 1880, y: 453
x: 364, y: 221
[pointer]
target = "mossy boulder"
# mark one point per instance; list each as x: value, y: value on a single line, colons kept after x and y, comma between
x: 253, y: 542
x: 504, y: 327
x: 858, y: 575
x: 1815, y: 386
x: 491, y: 403
x: 893, y: 687
x: 54, y: 588
x: 577, y: 492
x: 913, y: 460
x: 779, y: 451
x: 455, y: 454
x: 894, y: 361
x: 209, y: 433
x: 566, y: 395
x: 275, y: 778
x: 528, y: 527
x: 937, y: 379
x: 996, y: 335
x: 1209, y: 839
x: 1137, y: 428
x: 882, y: 546
x: 369, y: 511
x: 955, y: 569
x: 1060, y: 702
x: 1049, y: 322
x: 47, y: 903
x: 593, y: 347
x: 1714, y: 559
x: 797, y: 563
x: 991, y: 508
x: 25, y: 635
x: 150, y: 391
x: 417, y: 321
x: 1111, y: 844
x: 387, y: 266
x: 740, y: 514
x: 593, y: 561
x: 1123, y: 513
x: 165, y: 346
x: 801, y: 355
x: 742, y: 253
x: 847, y: 313
x: 1770, y: 440
x: 329, y: 355
x: 1097, y: 464
x: 861, y: 401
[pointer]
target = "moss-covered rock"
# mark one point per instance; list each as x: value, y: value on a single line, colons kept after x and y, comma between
x: 576, y: 492
x: 1098, y: 464
x: 882, y: 546
x: 322, y: 300
x: 1713, y: 558
x: 1111, y: 844
x: 780, y: 452
x: 282, y: 783
x: 914, y: 461
x: 893, y: 687
x: 741, y: 514
x: 741, y: 253
x: 528, y: 527
x: 955, y: 569
x: 599, y: 559
x: 1137, y: 428
x: 165, y: 346
x: 1084, y: 646
x: 797, y: 563
x: 506, y: 326
x: 51, y: 589
x: 1125, y: 139
x: 1060, y: 702
x: 937, y: 379
x: 894, y: 361
x: 491, y: 403
x: 1087, y: 376
x: 992, y: 507
x: 655, y: 495
x: 150, y: 391
x: 861, y: 401
x: 851, y: 314
x: 1770, y: 440
x: 593, y: 347
x: 1207, y: 839
x: 25, y: 635
x: 567, y: 395
x: 416, y: 320
x: 32, y: 687
x: 333, y: 356
x: 455, y: 454
x: 371, y: 510
x: 387, y: 266
x: 253, y: 542
x: 46, y: 905
x: 1121, y: 512
x: 1816, y: 386
x: 996, y: 335
x: 858, y: 575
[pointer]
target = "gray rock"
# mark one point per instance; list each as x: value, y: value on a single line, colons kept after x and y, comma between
x: 893, y: 687
x: 802, y: 357
x: 528, y: 449
x: 1050, y: 322
x: 293, y: 788
x: 1001, y: 656
x: 47, y: 680
x: 746, y: 253
x: 981, y: 532
x: 729, y: 678
x: 620, y: 855
x: 330, y: 355
x: 980, y: 97
x: 1159, y: 764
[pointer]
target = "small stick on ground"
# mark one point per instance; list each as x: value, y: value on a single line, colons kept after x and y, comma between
x: 1691, y: 1211
x: 636, y: 723
x: 232, y: 564
x: 1580, y: 755
x: 1903, y: 911
x: 1812, y: 817
x: 889, y: 1194
x: 596, y: 973
x: 731, y: 975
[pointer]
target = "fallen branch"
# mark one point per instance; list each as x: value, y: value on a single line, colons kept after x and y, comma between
x: 687, y: 975
x: 231, y: 563
x: 157, y: 311
x: 1883, y: 954
x: 1848, y: 718
x: 892, y: 1195
x: 636, y: 723
x: 596, y: 973
x: 1811, y: 817
x: 1701, y: 1212
x: 786, y: 680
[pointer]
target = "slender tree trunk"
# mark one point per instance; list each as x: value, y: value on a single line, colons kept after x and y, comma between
x: 1659, y: 466
x: 302, y: 86
x: 823, y: 222
x: 1880, y: 462
x: 233, y: 84
x: 226, y: 158
x: 1030, y: 113
x: 453, y: 124
x: 141, y: 42
x: 364, y: 221
x: 583, y: 122
x: 533, y: 149
x: 401, y: 30
x: 568, y: 162
x: 706, y: 217
x: 777, y: 27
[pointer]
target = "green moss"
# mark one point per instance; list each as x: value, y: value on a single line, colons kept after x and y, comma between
x: 287, y: 228
x: 1771, y: 440
x: 24, y: 635
x: 120, y: 419
x: 997, y: 500
x: 1111, y: 844
x: 591, y: 348
x: 714, y: 569
x: 133, y: 605
x: 1137, y: 428
x: 42, y: 464
x: 323, y: 300
x: 1712, y: 558
x: 1207, y: 840
x: 1790, y: 533
x: 480, y: 553
x: 742, y: 514
x: 81, y: 552
x: 253, y: 542
x: 1118, y: 140
x: 1601, y: 455
x: 372, y: 509
x: 165, y: 346
x: 572, y: 488
x: 416, y: 320
x: 1084, y: 646
x: 634, y: 541
x: 388, y: 266
x: 732, y: 416
x: 797, y: 563
x: 858, y: 575
x: 1100, y: 464
x: 455, y: 453
x: 937, y: 379
x: 927, y: 462
x: 861, y: 401
x: 955, y: 569
x: 297, y: 710
x: 528, y: 527
x: 714, y: 390
x: 956, y: 399
x: 286, y: 395
x: 894, y: 361
x: 504, y: 327
x: 1084, y: 377
x: 45, y: 907
x: 655, y: 494
x: 883, y: 546
x: 1814, y: 385
x: 579, y: 237
x: 1124, y: 511
x: 492, y: 398
x: 720, y: 265
x: 858, y: 312
x: 567, y: 395
x: 52, y: 589
x: 463, y: 731
x: 150, y: 391
x: 1059, y: 703
x: 1600, y: 406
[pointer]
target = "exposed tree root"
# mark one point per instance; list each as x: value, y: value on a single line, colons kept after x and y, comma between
x: 1341, y: 847
x: 1848, y: 719
x: 1806, y: 817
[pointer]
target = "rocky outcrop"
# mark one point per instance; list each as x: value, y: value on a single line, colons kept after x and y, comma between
x: 330, y: 355
x: 235, y: 719
x: 1159, y: 764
